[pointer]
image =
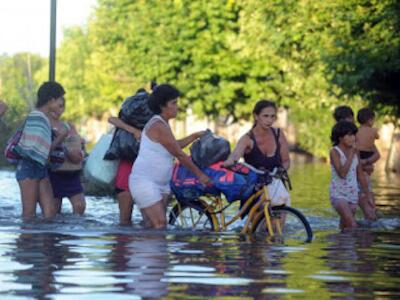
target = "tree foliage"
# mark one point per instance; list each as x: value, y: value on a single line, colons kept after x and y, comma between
x: 364, y: 57
x: 19, y: 77
x: 308, y: 56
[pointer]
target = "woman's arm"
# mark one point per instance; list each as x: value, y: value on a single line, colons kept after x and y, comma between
x: 284, y: 150
x: 243, y: 144
x: 342, y: 170
x: 163, y: 135
x: 75, y: 155
x: 61, y: 134
x: 117, y: 122
x: 189, y: 139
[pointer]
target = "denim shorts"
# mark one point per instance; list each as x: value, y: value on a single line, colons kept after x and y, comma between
x: 28, y: 169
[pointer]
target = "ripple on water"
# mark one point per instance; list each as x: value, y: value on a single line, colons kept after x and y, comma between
x: 83, y: 294
x: 281, y: 291
x: 209, y: 280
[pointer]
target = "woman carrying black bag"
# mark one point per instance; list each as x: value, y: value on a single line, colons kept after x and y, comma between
x: 124, y: 198
x: 133, y: 115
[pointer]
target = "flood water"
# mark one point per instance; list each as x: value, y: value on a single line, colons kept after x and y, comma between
x: 91, y: 257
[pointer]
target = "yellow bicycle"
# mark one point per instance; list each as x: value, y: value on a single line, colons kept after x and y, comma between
x: 208, y: 213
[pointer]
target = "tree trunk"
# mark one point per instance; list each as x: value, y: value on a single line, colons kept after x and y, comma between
x: 393, y: 161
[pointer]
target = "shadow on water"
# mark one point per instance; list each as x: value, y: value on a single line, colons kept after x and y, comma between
x: 91, y: 256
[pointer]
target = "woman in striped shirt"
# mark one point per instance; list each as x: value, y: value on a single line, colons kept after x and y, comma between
x: 34, y: 147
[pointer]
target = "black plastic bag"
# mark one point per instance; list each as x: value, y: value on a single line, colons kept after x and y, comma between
x: 123, y: 146
x: 209, y: 149
x: 135, y: 110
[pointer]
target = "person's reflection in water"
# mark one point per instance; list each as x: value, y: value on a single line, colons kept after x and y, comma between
x: 348, y: 256
x: 239, y: 266
x: 256, y: 262
x: 142, y: 260
x: 45, y: 253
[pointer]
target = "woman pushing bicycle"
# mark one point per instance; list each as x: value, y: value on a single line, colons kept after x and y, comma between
x: 149, y: 181
x: 267, y: 209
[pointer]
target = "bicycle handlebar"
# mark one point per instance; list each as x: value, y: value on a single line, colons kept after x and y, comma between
x: 279, y: 173
x: 258, y: 171
x: 254, y: 169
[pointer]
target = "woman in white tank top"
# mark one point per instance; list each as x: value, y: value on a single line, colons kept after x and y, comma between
x: 152, y: 172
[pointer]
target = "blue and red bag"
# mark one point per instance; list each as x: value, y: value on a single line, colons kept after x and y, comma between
x: 186, y: 186
x: 9, y: 152
x: 235, y: 185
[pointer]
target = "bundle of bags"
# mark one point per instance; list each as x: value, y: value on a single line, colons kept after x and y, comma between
x: 209, y: 153
x: 237, y: 185
x: 102, y: 163
x: 134, y: 111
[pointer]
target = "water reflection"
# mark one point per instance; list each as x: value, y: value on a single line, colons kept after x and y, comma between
x: 40, y: 255
x: 359, y: 266
x: 142, y: 261
x: 227, y: 266
x: 346, y: 257
x: 91, y: 257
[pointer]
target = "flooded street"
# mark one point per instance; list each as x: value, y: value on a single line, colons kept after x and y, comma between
x: 92, y: 257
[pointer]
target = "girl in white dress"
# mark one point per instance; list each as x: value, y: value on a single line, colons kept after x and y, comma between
x: 347, y: 174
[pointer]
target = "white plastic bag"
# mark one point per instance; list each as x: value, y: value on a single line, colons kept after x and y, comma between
x: 97, y: 170
x: 278, y: 193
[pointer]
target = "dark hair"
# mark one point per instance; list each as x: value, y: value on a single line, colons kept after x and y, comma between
x: 161, y: 95
x: 340, y: 129
x: 261, y: 104
x: 47, y: 91
x: 364, y: 115
x: 342, y: 113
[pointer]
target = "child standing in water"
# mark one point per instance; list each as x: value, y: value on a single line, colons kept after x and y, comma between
x: 366, y: 136
x: 345, y: 113
x: 365, y: 140
x: 346, y: 173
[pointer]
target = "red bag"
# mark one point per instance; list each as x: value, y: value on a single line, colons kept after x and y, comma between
x: 9, y: 152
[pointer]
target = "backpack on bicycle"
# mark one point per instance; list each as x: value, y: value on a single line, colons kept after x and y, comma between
x: 233, y: 185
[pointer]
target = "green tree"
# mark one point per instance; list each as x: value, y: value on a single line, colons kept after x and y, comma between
x: 19, y: 82
x: 364, y: 53
x: 308, y: 56
x: 187, y: 43
x: 75, y: 73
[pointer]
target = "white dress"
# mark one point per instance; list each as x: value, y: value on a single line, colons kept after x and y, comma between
x: 344, y: 188
x: 152, y: 171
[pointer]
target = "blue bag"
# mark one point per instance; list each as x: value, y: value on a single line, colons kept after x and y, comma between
x: 235, y: 185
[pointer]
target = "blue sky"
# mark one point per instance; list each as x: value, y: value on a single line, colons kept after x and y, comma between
x: 25, y: 24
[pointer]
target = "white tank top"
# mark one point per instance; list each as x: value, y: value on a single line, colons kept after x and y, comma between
x: 153, y: 162
x: 344, y: 188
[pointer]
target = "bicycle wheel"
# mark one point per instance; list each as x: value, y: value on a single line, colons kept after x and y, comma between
x: 288, y: 224
x: 191, y: 215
